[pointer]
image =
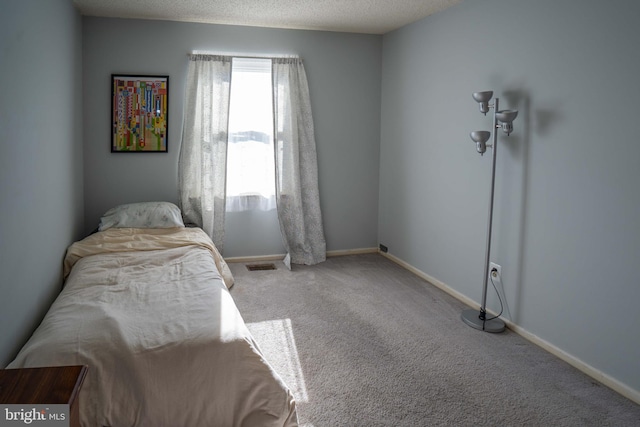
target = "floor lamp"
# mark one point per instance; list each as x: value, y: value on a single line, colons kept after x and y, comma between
x: 501, y: 119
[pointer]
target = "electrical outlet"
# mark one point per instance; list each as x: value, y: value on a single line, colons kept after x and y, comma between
x: 494, y: 276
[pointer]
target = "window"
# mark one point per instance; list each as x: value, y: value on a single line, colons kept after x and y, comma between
x: 250, y: 155
x: 202, y: 166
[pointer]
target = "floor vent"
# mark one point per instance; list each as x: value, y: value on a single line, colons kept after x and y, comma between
x: 261, y: 267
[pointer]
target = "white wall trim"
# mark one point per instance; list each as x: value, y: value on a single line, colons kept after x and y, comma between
x: 594, y: 373
x: 346, y: 252
x: 589, y: 370
x: 279, y: 257
x: 256, y: 258
x: 432, y: 280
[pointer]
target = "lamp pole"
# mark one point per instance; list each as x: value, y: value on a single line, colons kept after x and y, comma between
x: 474, y: 318
x: 494, y: 148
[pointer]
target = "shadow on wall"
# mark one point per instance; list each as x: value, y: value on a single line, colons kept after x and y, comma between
x: 531, y: 121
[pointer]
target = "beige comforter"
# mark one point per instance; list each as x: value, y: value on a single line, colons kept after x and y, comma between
x: 149, y: 313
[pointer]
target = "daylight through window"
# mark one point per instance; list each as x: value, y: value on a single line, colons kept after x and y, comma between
x: 250, y: 155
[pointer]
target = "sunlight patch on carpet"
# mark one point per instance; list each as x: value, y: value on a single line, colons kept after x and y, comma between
x: 276, y: 340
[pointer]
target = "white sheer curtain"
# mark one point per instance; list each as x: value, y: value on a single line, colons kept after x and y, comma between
x: 203, y: 153
x: 297, y: 194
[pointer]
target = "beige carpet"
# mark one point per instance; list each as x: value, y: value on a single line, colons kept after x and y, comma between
x: 363, y: 342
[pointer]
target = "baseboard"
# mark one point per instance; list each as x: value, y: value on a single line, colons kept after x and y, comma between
x: 435, y: 282
x: 346, y: 252
x: 278, y: 257
x: 612, y: 383
x: 256, y: 258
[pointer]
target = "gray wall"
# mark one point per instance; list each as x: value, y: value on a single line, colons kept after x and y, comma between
x: 344, y: 79
x: 567, y: 201
x: 41, y: 162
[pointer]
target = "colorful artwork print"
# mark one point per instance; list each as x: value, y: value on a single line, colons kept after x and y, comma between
x: 139, y: 113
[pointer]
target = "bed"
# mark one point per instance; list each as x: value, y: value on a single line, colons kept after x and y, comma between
x: 146, y: 306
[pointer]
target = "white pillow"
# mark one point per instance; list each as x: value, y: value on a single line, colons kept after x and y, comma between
x: 142, y: 215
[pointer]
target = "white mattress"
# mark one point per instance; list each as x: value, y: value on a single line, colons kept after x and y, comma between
x: 149, y: 313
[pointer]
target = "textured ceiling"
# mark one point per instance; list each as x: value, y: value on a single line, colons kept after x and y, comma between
x: 357, y: 16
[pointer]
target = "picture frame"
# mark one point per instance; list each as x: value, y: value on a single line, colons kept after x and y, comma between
x: 139, y: 113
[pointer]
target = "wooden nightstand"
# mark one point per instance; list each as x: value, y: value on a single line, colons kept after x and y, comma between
x: 56, y: 385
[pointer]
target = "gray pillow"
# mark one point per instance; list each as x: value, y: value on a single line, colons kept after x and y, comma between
x: 142, y: 215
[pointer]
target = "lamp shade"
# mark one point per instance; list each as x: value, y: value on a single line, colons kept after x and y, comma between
x: 480, y: 137
x: 506, y: 118
x: 483, y: 98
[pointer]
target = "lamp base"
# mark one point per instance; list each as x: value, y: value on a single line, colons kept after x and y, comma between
x: 472, y: 318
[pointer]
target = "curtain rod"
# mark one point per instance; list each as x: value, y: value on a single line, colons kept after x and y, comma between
x: 245, y: 55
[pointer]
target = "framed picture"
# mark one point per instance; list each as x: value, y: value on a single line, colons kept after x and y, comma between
x: 139, y: 114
